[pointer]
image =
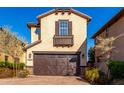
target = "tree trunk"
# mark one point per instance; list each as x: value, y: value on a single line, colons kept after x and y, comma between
x: 14, y: 66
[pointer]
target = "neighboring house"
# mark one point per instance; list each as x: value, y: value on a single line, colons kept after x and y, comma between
x: 8, y: 58
x: 5, y: 56
x: 58, y: 43
x: 113, y: 28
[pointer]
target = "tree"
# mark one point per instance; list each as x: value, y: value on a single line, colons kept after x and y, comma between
x: 91, y: 54
x: 4, y: 39
x: 106, y: 45
x: 10, y: 43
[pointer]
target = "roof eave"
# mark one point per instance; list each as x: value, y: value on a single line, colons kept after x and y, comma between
x: 69, y: 10
x: 31, y: 24
x: 109, y: 23
x: 32, y: 44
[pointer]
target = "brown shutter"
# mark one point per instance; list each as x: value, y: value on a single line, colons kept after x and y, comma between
x: 70, y: 28
x: 57, y: 28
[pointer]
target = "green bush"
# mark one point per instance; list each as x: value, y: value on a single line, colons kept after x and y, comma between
x: 103, y: 79
x: 21, y: 66
x: 12, y: 65
x: 9, y: 69
x: 2, y: 64
x: 92, y: 75
x: 116, y: 69
x: 95, y: 76
x: 23, y: 73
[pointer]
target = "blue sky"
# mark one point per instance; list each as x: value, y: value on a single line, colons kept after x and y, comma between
x: 18, y: 18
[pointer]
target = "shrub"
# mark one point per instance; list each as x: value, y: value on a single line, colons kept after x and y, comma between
x: 23, y: 73
x: 21, y: 66
x: 116, y: 69
x: 12, y: 65
x: 103, y: 79
x: 118, y: 82
x: 2, y: 64
x: 9, y: 69
x: 6, y: 72
x: 95, y: 76
x: 92, y: 75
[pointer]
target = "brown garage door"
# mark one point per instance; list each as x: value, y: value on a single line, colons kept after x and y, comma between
x: 59, y: 64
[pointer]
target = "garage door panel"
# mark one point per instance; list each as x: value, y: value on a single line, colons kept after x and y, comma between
x: 55, y: 64
x: 61, y: 61
x: 61, y: 70
x: 52, y: 69
x: 48, y: 60
x: 51, y: 62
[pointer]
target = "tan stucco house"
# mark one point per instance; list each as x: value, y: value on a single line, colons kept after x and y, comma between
x: 113, y: 28
x: 5, y: 57
x: 58, y: 43
x: 8, y: 58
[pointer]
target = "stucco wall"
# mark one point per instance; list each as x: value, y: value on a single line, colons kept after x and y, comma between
x: 34, y: 36
x: 10, y: 59
x: 79, y: 30
x: 116, y: 30
x: 2, y: 57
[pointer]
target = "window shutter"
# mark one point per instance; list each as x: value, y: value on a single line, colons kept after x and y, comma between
x: 57, y: 28
x: 70, y: 28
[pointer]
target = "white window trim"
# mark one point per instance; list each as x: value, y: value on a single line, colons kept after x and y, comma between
x: 67, y: 28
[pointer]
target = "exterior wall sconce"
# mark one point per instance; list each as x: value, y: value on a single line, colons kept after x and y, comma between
x: 82, y: 55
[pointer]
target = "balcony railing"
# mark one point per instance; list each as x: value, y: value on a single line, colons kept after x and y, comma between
x: 63, y: 40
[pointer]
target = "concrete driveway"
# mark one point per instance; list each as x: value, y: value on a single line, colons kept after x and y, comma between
x: 44, y: 80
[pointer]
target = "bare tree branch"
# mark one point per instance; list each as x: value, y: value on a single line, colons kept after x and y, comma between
x: 10, y: 43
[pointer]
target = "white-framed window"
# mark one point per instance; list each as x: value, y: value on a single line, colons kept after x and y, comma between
x: 63, y: 27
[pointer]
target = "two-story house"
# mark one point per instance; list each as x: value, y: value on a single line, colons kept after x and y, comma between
x: 113, y: 28
x: 58, y: 43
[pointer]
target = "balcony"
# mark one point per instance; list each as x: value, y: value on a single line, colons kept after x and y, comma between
x: 63, y: 41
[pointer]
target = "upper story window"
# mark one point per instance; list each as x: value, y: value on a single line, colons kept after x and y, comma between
x: 63, y: 28
x: 63, y: 33
x: 37, y: 32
